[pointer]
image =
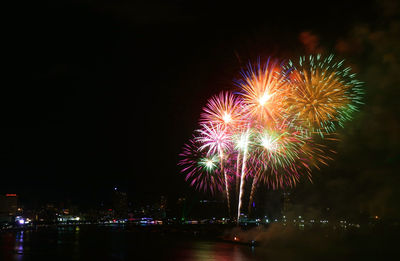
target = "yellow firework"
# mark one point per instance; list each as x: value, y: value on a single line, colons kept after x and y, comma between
x: 322, y: 93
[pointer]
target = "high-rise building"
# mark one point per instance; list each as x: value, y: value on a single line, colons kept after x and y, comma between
x: 8, y: 205
x: 287, y: 204
x: 12, y: 204
x: 120, y: 203
x: 3, y: 206
x: 163, y: 207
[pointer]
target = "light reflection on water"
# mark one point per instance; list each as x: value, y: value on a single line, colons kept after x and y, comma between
x: 105, y: 243
x: 207, y: 251
x: 19, y: 244
x: 12, y: 245
x: 74, y: 243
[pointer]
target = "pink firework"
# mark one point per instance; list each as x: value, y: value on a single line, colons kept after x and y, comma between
x: 224, y: 109
x: 202, y: 170
x: 214, y: 138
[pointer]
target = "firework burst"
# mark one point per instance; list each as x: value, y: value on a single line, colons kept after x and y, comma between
x: 265, y: 133
x: 264, y: 91
x: 224, y: 109
x: 277, y: 151
x: 214, y: 138
x: 202, y: 170
x: 323, y: 93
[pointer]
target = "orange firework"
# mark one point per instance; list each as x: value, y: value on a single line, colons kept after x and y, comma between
x: 322, y: 93
x: 264, y: 91
x: 314, y: 153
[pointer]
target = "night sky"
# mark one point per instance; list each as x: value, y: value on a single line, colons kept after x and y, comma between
x: 99, y: 94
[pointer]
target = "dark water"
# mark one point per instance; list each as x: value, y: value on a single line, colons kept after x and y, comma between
x: 114, y: 243
x: 124, y: 243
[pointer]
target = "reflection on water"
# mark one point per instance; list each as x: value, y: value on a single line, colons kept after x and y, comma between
x: 121, y: 243
x: 19, y: 244
x: 12, y: 245
x: 207, y: 251
x: 81, y: 243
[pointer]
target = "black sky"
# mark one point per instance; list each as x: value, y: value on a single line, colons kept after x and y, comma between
x: 104, y: 93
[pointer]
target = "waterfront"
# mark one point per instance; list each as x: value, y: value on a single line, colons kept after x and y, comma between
x: 114, y: 243
x: 93, y: 242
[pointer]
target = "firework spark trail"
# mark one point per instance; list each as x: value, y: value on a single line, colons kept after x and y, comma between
x: 226, y: 183
x: 224, y: 111
x: 237, y: 172
x: 263, y: 90
x: 243, y: 174
x: 215, y: 139
x: 252, y: 192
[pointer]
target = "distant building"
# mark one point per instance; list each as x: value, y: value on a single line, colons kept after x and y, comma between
x: 8, y: 206
x: 287, y: 206
x: 163, y: 207
x: 47, y: 213
x: 120, y: 203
